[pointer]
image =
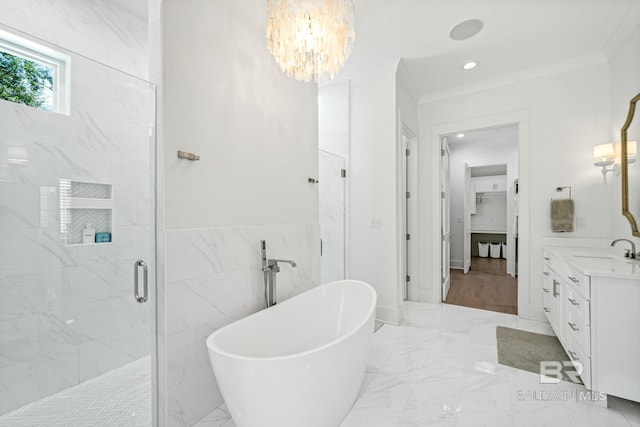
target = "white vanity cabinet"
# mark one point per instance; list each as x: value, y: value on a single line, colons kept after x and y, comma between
x: 552, y: 291
x: 592, y: 300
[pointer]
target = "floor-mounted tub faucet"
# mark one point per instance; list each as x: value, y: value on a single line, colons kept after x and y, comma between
x: 270, y: 268
x: 629, y: 253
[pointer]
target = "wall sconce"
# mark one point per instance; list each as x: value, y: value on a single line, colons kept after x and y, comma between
x: 604, y: 156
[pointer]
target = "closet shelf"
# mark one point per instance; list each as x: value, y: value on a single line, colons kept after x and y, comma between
x: 488, y: 229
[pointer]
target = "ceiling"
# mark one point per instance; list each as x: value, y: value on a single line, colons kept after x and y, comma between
x: 518, y: 35
x: 502, y: 135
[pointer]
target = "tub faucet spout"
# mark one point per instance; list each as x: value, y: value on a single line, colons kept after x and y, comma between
x: 269, y: 268
x: 276, y: 261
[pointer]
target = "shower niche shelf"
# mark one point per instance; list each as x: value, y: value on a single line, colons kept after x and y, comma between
x: 84, y: 203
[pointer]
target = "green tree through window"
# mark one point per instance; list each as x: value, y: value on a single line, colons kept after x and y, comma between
x: 26, y: 82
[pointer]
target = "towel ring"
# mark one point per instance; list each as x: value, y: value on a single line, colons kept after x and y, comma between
x: 559, y: 189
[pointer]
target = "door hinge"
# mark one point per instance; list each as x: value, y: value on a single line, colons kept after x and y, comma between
x: 407, y: 152
x: 408, y: 278
x: 408, y: 194
x: 442, y: 152
x: 442, y: 194
x: 343, y: 173
x: 408, y: 236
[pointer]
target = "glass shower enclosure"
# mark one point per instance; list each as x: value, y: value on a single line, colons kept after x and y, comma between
x: 72, y: 333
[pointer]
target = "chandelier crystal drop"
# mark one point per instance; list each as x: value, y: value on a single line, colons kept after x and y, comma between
x: 310, y: 39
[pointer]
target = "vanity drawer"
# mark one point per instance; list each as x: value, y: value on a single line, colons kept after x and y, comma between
x: 576, y: 354
x: 549, y: 261
x: 546, y: 298
x: 580, y: 282
x: 579, y: 305
x: 576, y: 328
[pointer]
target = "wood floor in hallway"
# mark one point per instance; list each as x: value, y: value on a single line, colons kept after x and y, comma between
x: 487, y: 286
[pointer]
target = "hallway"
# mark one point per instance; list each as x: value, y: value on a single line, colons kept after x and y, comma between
x: 486, y: 286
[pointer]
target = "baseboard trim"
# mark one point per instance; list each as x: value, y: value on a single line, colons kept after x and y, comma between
x: 394, y: 316
x: 457, y: 264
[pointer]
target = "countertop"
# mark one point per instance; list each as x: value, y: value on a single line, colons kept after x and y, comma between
x: 595, y: 262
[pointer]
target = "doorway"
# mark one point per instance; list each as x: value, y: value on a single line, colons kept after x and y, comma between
x: 479, y: 186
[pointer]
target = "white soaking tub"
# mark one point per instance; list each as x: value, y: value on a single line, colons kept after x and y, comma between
x: 300, y: 363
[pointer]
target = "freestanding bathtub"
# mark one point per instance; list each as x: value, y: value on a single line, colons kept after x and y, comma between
x: 299, y: 363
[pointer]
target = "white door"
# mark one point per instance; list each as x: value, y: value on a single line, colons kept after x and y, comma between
x: 445, y: 222
x: 468, y: 193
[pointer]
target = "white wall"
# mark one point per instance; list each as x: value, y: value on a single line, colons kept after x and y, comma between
x: 97, y: 29
x: 407, y: 128
x: 407, y: 94
x: 624, y: 84
x: 373, y: 186
x: 565, y: 115
x: 383, y: 100
x: 333, y: 118
x: 254, y: 129
x: 256, y: 132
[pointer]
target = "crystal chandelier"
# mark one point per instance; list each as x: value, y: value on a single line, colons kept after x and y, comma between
x: 310, y: 39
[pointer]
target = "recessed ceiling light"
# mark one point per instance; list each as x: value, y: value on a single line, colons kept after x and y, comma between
x: 466, y: 29
x: 460, y: 135
x: 470, y: 65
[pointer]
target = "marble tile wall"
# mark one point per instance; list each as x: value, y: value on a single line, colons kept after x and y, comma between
x: 67, y: 313
x: 101, y: 30
x: 213, y: 278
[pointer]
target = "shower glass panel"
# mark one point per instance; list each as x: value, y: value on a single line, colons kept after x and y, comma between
x: 72, y: 335
x: 332, y: 208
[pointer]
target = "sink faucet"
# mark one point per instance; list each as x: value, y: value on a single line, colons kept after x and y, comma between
x: 629, y: 253
x: 269, y: 268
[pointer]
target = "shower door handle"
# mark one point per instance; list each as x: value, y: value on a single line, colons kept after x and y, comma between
x: 145, y: 281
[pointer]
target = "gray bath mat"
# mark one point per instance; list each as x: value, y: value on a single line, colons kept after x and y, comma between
x: 525, y: 350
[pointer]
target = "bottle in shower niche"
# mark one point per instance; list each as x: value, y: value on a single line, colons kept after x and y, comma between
x: 88, y: 234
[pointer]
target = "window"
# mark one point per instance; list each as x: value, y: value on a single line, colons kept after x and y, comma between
x: 33, y: 74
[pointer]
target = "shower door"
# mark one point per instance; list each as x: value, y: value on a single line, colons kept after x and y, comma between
x: 72, y: 336
x: 332, y: 216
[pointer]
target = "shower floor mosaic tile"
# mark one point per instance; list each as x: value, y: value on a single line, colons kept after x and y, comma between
x: 121, y: 397
x: 440, y: 369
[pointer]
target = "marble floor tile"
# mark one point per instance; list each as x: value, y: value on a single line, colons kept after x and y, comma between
x: 440, y: 369
x: 485, y: 419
